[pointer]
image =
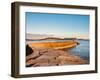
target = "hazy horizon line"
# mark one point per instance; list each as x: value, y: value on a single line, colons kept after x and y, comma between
x: 53, y: 35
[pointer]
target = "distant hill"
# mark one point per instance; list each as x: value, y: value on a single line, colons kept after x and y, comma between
x: 52, y: 38
x: 49, y: 38
x: 31, y: 37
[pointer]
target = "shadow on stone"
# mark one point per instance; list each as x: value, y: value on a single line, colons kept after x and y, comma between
x: 28, y: 50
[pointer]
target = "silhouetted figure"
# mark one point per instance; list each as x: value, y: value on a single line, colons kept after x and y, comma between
x: 28, y: 50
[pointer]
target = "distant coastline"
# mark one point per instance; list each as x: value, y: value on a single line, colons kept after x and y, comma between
x: 55, y: 38
x: 38, y: 37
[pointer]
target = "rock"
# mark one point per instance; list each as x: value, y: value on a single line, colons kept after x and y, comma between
x: 63, y: 60
x: 55, y: 45
x: 34, y: 55
x: 28, y: 50
x: 53, y: 62
x: 51, y: 57
x: 41, y: 64
x: 30, y: 62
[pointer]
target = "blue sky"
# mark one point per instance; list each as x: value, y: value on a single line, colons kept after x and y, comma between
x: 62, y: 25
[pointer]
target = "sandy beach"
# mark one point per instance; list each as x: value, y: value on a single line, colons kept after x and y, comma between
x: 52, y: 54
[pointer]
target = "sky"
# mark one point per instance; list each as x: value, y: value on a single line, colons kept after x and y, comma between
x: 60, y: 25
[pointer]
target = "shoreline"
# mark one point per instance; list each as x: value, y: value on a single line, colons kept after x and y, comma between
x: 47, y: 55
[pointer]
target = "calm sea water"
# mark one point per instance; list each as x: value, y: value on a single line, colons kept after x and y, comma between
x: 81, y: 50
